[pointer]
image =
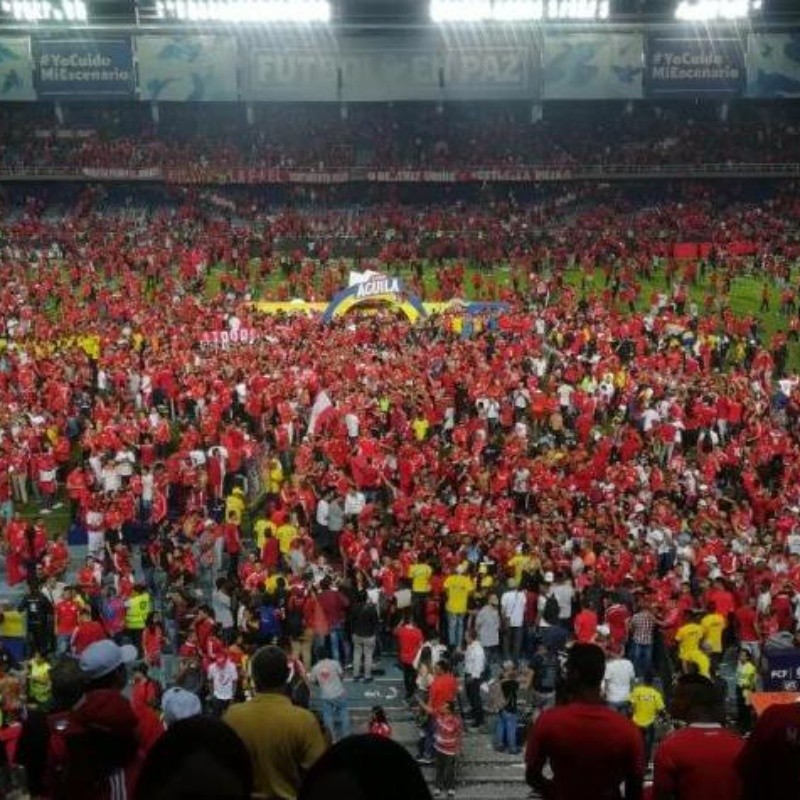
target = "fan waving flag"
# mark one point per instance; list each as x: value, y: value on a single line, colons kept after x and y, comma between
x: 321, y: 408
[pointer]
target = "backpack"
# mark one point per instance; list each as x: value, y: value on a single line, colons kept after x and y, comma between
x: 495, y: 700
x: 297, y: 689
x: 295, y: 624
x: 268, y: 625
x: 546, y: 676
x: 551, y: 611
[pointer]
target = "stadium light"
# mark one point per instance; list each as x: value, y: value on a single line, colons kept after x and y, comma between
x: 46, y: 10
x: 443, y: 11
x: 244, y: 10
x: 706, y: 10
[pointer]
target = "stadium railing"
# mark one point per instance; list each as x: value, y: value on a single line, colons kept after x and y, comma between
x: 522, y: 174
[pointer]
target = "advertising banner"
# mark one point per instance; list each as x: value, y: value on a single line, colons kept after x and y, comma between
x: 187, y: 68
x: 16, y: 69
x: 773, y: 65
x: 297, y: 74
x: 386, y: 74
x: 593, y: 66
x: 83, y: 68
x: 367, y: 70
x: 783, y: 670
x: 505, y: 72
x: 694, y: 66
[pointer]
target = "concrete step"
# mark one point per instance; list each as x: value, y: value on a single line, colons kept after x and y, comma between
x: 497, y: 775
x: 493, y: 792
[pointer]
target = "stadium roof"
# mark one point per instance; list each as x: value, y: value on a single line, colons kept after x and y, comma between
x: 391, y: 13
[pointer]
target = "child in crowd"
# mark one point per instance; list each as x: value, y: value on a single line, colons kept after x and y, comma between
x: 379, y: 723
x: 448, y: 733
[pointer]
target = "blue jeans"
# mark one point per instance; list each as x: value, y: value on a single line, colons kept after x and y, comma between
x: 340, y: 646
x: 336, y: 717
x: 505, y: 732
x: 642, y: 658
x: 455, y: 629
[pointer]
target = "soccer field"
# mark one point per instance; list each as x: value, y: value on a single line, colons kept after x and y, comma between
x: 744, y: 298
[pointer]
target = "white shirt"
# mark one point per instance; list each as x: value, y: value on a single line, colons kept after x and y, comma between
x: 111, y: 479
x: 513, y: 606
x: 323, y: 512
x: 223, y: 680
x: 354, y: 504
x: 474, y: 660
x: 618, y: 680
x: 351, y: 421
x: 148, y: 486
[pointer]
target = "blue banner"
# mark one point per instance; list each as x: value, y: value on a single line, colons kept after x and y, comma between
x: 16, y: 70
x: 773, y: 65
x: 593, y: 66
x: 187, y: 68
x: 782, y: 670
x: 83, y: 68
x: 694, y: 66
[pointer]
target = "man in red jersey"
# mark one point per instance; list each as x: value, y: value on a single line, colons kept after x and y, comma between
x: 592, y: 749
x: 409, y: 640
x: 769, y: 764
x: 699, y: 761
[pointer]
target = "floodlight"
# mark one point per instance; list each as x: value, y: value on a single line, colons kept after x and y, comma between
x: 444, y: 11
x: 245, y: 10
x: 46, y: 10
x: 460, y: 10
x: 705, y: 10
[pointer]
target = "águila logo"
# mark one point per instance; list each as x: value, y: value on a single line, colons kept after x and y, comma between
x: 378, y: 286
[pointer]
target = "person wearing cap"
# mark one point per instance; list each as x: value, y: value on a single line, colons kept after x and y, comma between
x: 101, y: 739
x: 283, y: 741
x: 179, y: 703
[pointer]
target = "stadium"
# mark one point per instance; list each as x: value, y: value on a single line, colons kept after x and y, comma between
x: 399, y: 399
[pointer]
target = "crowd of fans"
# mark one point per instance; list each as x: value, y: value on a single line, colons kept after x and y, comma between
x: 326, y: 136
x: 466, y: 496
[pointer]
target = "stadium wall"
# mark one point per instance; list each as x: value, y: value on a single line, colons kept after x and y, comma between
x: 441, y: 64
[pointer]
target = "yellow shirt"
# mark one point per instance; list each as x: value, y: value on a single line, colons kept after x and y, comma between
x: 458, y: 588
x: 688, y: 638
x: 275, y: 477
x: 746, y: 678
x: 420, y: 426
x: 647, y: 703
x: 40, y: 684
x: 234, y: 506
x: 702, y: 660
x: 283, y: 742
x: 420, y: 575
x: 286, y: 534
x: 520, y: 563
x: 260, y: 530
x: 713, y: 625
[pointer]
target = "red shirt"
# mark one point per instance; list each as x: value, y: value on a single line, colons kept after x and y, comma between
x: 746, y: 620
x: 444, y: 689
x: 409, y: 641
x: 591, y: 748
x: 769, y: 762
x: 66, y: 617
x: 87, y: 633
x: 585, y: 625
x: 697, y: 763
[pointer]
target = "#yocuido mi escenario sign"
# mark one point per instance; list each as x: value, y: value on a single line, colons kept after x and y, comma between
x: 84, y: 68
x: 694, y: 66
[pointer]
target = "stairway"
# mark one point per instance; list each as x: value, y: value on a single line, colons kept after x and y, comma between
x: 483, y: 773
